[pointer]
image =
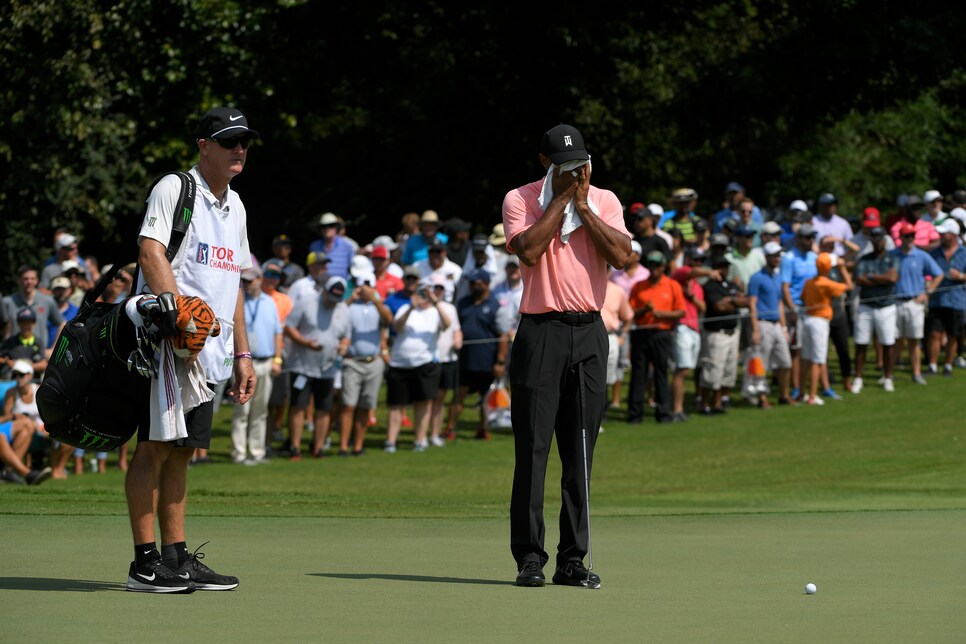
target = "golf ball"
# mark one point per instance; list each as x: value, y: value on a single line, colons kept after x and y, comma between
x: 810, y: 589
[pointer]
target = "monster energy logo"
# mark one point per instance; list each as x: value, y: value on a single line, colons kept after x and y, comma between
x: 186, y: 214
x: 92, y: 441
x: 61, y: 350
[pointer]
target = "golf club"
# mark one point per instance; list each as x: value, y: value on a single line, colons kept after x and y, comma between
x: 583, y: 441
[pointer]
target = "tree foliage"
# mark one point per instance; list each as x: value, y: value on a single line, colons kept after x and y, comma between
x: 374, y: 109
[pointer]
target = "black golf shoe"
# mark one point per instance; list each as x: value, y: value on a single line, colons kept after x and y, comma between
x: 155, y: 577
x: 531, y: 575
x: 573, y: 573
x: 203, y: 577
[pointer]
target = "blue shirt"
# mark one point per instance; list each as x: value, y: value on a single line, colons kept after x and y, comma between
x: 913, y: 269
x: 880, y: 295
x: 261, y: 324
x: 478, y: 322
x: 365, y: 327
x: 797, y: 268
x: 68, y: 315
x: 417, y: 250
x: 340, y: 255
x: 951, y: 294
x: 724, y: 214
x: 767, y: 287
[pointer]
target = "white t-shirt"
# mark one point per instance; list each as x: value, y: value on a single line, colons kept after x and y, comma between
x: 444, y: 344
x: 449, y: 271
x: 416, y: 344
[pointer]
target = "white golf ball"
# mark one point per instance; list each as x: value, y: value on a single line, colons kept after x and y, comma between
x: 810, y: 589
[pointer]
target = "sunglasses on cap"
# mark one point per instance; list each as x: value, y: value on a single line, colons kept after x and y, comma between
x: 231, y: 144
x: 21, y: 374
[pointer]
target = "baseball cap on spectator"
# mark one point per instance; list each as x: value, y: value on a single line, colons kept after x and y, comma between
x: 250, y: 274
x: 824, y: 263
x: 26, y: 314
x: 335, y: 283
x: 60, y: 282
x: 498, y: 236
x: 436, y: 244
x: 316, y: 257
x: 719, y: 239
x: 700, y: 225
x: 744, y: 230
x: 696, y: 253
x: 360, y: 264
x: 65, y: 241
x: 719, y: 259
x: 282, y: 240
x: 948, y: 226
x: 457, y: 225
x: 70, y: 265
x: 734, y: 186
x: 411, y: 271
x: 730, y: 224
x: 684, y: 194
x: 771, y: 228
x: 328, y: 219
x: 637, y: 209
x: 773, y: 248
x: 877, y: 231
x: 380, y: 252
x: 826, y: 199
x: 225, y: 123
x: 480, y: 242
x: 22, y: 367
x: 655, y: 257
x: 429, y: 217
x: 272, y: 270
x: 806, y: 230
x: 636, y: 247
x: 515, y: 261
x: 479, y: 275
x: 913, y: 202
x: 365, y: 277
x: 871, y: 217
x: 907, y: 229
x: 932, y: 195
x: 563, y: 143
x: 655, y: 209
x: 386, y: 241
x: 798, y: 206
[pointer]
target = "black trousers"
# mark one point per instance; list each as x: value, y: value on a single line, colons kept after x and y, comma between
x: 549, y: 360
x: 839, y: 335
x: 650, y: 346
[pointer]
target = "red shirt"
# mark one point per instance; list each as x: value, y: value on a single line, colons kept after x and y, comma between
x: 690, y: 319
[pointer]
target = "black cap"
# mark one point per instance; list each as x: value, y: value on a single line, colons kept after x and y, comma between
x: 700, y: 225
x: 225, y: 123
x: 436, y: 245
x: 26, y: 313
x: 282, y: 239
x: 564, y: 143
x: 480, y: 242
x: 826, y: 199
x: 878, y: 231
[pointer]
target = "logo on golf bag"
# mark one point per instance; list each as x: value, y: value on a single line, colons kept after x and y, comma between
x: 92, y: 441
x: 63, y: 352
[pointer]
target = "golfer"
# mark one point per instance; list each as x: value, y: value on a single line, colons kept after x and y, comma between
x: 565, y: 232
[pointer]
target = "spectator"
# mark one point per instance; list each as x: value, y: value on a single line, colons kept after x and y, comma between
x: 316, y: 326
x: 817, y: 296
x: 862, y: 241
x: 617, y: 315
x: 771, y: 231
x: 318, y: 265
x: 481, y: 258
x: 828, y: 223
x: 646, y: 233
x: 250, y: 420
x: 23, y: 346
x: 745, y: 212
x: 417, y: 246
x: 734, y: 196
x: 658, y: 304
x: 119, y: 287
x: 633, y: 272
x: 497, y: 241
x: 947, y: 306
x: 458, y: 246
x: 334, y: 246
x: 394, y: 255
x: 43, y: 306
x: 687, y: 335
x: 913, y: 292
x: 876, y: 273
x: 386, y: 282
x: 366, y: 355
x: 682, y: 218
x: 17, y: 428
x: 66, y: 250
x: 509, y: 294
x: 797, y: 215
x: 926, y: 236
x: 484, y: 352
x: 702, y: 238
x: 958, y: 211
x: 282, y: 255
x: 769, y: 327
x: 61, y: 290
x: 448, y: 344
x: 798, y: 266
x: 719, y: 368
x: 413, y: 370
x: 73, y: 272
x: 401, y: 297
x: 839, y: 325
x: 272, y: 277
x: 437, y: 264
x: 934, y: 207
x: 744, y: 259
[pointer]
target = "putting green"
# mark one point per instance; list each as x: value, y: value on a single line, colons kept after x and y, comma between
x: 881, y: 576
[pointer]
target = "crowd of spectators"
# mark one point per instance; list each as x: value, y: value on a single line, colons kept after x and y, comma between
x: 429, y: 313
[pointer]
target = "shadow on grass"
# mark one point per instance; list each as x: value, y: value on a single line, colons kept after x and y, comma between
x: 48, y: 583
x: 419, y: 578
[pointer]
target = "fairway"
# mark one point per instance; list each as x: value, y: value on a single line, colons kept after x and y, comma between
x: 706, y: 531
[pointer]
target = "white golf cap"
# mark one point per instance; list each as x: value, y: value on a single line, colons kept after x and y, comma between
x: 799, y: 205
x: 655, y: 209
x: 948, y: 225
x: 932, y: 195
x: 773, y: 248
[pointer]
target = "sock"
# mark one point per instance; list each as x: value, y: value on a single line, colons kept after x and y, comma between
x: 144, y: 553
x: 174, y: 554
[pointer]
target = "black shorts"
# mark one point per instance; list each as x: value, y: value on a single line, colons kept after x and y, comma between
x: 945, y: 320
x: 321, y: 389
x: 447, y: 375
x: 406, y: 386
x: 475, y: 381
x: 280, y: 387
x: 198, y: 422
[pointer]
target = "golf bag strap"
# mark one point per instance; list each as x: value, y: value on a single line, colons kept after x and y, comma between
x: 91, y: 296
x: 180, y: 221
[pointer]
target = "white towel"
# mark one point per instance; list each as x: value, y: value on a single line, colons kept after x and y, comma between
x: 572, y: 220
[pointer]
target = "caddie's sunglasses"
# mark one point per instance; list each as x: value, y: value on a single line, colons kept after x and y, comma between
x: 230, y: 144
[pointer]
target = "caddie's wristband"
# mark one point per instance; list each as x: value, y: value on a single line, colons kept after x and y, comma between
x: 244, y: 354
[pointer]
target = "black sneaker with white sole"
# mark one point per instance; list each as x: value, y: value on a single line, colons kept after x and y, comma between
x: 203, y: 577
x: 573, y: 573
x: 155, y: 577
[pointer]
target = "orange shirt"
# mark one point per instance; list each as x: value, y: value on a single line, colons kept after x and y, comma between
x: 664, y: 296
x: 818, y: 294
x: 283, y: 303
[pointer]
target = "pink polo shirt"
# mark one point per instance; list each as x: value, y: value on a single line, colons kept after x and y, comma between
x: 567, y: 277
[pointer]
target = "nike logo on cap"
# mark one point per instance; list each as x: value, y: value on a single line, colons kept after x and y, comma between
x: 148, y: 577
x: 234, y: 118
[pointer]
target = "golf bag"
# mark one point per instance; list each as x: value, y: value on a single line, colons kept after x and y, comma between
x: 496, y: 405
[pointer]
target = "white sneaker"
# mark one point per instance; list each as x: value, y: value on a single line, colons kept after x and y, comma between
x: 390, y: 448
x: 888, y: 385
x: 960, y: 362
x: 436, y: 441
x: 856, y: 385
x: 420, y: 447
x: 327, y: 445
x: 816, y: 401
x: 882, y: 380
